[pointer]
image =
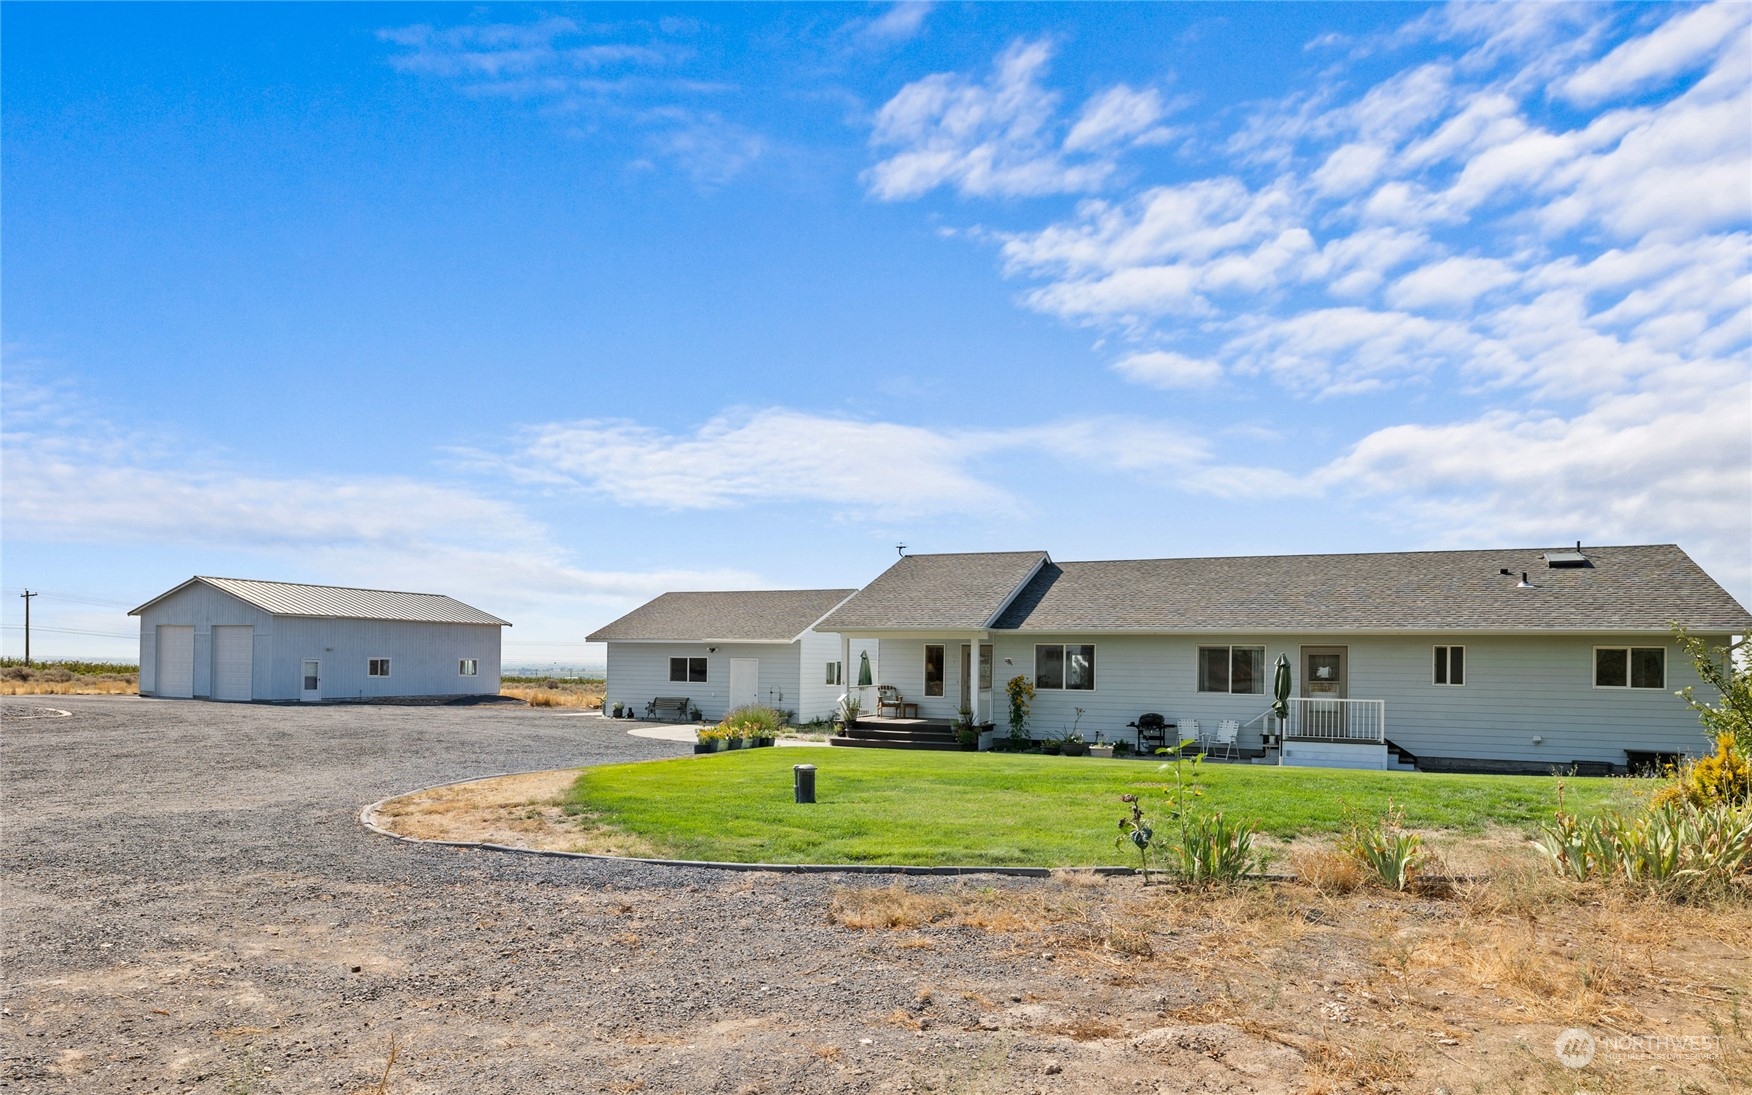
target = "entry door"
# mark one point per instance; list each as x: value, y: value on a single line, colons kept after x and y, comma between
x: 744, y: 681
x: 310, y: 687
x: 233, y: 662
x: 175, y: 669
x: 1325, y: 670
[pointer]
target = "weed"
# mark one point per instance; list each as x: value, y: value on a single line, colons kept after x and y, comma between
x: 1326, y: 871
x: 1393, y: 855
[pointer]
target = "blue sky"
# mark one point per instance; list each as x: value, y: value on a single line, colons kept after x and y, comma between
x: 556, y: 308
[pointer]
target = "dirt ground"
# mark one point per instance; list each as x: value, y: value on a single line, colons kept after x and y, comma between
x: 191, y: 905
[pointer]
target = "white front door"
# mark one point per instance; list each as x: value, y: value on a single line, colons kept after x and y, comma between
x: 233, y: 662
x: 311, y: 685
x: 744, y: 681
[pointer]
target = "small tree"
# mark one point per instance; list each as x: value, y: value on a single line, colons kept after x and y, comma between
x: 1021, y: 691
x: 1732, y: 679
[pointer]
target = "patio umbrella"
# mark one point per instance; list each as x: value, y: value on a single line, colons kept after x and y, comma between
x: 1280, y: 689
x: 864, y: 679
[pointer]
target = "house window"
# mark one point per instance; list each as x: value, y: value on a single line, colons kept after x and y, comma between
x: 934, y: 669
x: 1630, y: 667
x: 377, y: 667
x: 687, y: 670
x: 833, y: 673
x: 467, y: 667
x: 1450, y: 665
x: 1235, y: 669
x: 1069, y: 666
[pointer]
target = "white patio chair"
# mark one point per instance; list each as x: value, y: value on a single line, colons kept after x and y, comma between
x: 1187, y: 730
x: 1228, y: 737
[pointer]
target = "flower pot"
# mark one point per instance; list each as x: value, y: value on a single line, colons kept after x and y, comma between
x: 1101, y: 750
x: 1074, y: 749
x: 707, y: 746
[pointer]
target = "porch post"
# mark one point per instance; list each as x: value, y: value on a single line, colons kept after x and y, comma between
x: 973, y: 684
x: 846, y: 670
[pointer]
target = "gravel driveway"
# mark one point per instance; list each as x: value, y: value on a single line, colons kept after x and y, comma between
x: 191, y: 905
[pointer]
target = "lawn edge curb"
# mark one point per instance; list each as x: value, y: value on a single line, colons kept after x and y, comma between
x: 368, y: 819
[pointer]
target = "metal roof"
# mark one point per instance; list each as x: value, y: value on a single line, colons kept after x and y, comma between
x: 297, y: 599
x: 744, y: 615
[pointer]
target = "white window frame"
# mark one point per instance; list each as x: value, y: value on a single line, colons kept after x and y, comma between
x: 1064, y: 667
x: 1629, y: 669
x: 1198, y: 668
x: 468, y: 667
x: 371, y: 665
x: 687, y: 666
x: 1447, y: 657
x: 835, y: 673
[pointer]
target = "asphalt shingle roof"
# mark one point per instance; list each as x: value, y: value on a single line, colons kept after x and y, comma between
x: 297, y: 599
x: 937, y: 591
x: 1636, y: 588
x: 748, y: 615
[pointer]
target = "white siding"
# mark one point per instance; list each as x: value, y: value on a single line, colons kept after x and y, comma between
x: 820, y: 699
x: 639, y: 672
x: 1517, y: 687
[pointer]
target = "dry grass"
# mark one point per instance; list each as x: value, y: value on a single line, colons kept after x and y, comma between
x: 80, y: 685
x: 557, y: 693
x: 523, y: 811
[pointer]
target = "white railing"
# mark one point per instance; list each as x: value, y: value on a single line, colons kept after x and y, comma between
x: 1337, y: 720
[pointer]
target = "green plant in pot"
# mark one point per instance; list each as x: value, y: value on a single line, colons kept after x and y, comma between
x: 966, y: 733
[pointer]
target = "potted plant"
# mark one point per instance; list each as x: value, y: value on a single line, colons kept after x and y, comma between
x: 617, y: 708
x: 709, y: 740
x: 850, y: 708
x: 1021, y: 693
x: 1074, y: 746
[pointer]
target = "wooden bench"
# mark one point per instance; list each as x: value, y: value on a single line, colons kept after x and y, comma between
x: 669, y: 708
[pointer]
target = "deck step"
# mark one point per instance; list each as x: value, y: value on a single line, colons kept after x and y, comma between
x: 892, y: 742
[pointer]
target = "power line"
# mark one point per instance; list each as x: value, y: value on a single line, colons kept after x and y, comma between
x: 69, y: 631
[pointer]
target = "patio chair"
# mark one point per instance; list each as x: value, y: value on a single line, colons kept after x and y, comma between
x: 1189, y: 731
x: 1228, y: 738
x: 888, y: 698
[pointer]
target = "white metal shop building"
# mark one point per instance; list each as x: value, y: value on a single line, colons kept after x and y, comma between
x: 240, y: 640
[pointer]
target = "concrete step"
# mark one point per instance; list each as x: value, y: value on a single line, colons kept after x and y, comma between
x: 893, y: 743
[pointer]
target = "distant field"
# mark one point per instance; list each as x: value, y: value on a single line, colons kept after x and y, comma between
x: 555, y: 691
x: 67, y: 678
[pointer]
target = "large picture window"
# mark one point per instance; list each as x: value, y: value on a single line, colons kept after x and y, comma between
x: 1068, y: 666
x: 934, y: 669
x: 1630, y: 667
x: 1450, y: 667
x: 1236, y: 669
x: 687, y: 670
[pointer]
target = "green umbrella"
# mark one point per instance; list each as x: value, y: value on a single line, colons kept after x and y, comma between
x: 1280, y: 688
x: 864, y: 679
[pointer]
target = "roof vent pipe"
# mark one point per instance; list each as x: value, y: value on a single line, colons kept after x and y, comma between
x: 1523, y: 583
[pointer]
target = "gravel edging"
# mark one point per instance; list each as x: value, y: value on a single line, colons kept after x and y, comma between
x: 368, y: 819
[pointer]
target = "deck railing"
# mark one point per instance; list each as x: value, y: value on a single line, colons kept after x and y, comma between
x: 1337, y: 720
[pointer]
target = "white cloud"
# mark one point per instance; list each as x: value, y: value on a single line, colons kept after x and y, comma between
x: 1118, y: 116
x: 1000, y: 136
x: 1450, y: 283
x: 899, y: 23
x: 1166, y: 369
x: 1676, y: 46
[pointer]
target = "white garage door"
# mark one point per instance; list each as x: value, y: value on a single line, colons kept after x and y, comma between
x: 233, y: 662
x: 176, y: 661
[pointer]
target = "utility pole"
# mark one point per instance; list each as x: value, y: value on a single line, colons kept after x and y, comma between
x: 27, y: 595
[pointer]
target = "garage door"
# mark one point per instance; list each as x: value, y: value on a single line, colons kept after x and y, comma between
x: 232, y: 662
x: 176, y: 661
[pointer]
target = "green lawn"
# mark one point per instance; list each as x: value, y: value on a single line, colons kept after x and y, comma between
x: 889, y: 806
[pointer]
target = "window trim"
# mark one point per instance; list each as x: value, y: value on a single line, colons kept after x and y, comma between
x: 1065, y: 667
x: 468, y: 667
x: 687, y: 677
x: 1258, y: 676
x: 371, y: 667
x: 836, y: 672
x: 1447, y: 663
x: 1629, y: 669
